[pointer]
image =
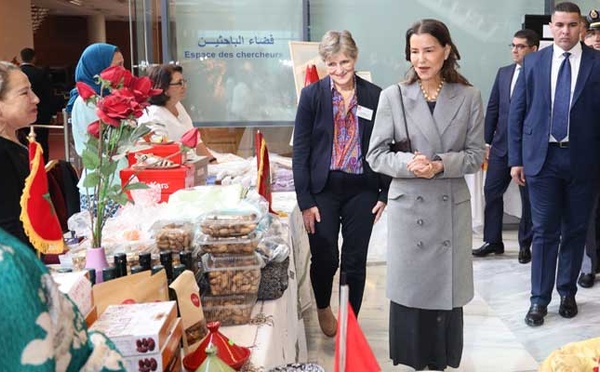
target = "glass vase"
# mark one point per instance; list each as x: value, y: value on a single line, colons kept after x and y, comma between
x: 95, y: 258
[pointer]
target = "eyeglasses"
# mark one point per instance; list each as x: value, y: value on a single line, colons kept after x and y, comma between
x: 182, y: 83
x: 345, y: 65
x: 518, y: 46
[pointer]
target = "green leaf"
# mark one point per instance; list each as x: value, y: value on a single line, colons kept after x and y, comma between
x: 136, y: 186
x: 108, y: 168
x: 91, y: 179
x: 121, y: 198
x: 91, y: 160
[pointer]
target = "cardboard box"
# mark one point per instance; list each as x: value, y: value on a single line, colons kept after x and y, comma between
x: 91, y: 317
x: 170, y: 179
x: 164, y: 360
x: 200, y: 169
x: 138, y: 329
x: 78, y: 287
x: 169, y: 151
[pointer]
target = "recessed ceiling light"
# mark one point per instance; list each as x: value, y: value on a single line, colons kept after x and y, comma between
x: 75, y: 2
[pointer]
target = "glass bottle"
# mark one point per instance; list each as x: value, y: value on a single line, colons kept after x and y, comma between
x: 121, y: 264
x: 109, y: 273
x: 166, y: 259
x: 145, y: 260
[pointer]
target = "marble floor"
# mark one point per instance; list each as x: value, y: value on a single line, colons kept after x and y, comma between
x: 496, y: 338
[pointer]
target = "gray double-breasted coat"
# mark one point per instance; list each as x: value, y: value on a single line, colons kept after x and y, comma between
x: 429, y: 221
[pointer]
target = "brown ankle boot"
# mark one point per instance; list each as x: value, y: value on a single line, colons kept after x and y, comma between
x: 327, y: 321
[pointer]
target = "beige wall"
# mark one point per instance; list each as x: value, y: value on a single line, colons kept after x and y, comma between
x: 15, y: 28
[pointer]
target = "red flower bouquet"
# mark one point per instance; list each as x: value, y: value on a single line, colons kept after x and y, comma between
x: 111, y: 136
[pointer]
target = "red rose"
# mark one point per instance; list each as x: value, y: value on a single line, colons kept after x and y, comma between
x: 85, y: 91
x: 94, y: 129
x: 142, y: 89
x: 117, y: 76
x: 114, y: 108
x: 190, y: 138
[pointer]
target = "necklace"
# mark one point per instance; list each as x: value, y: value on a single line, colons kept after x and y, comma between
x: 433, y: 97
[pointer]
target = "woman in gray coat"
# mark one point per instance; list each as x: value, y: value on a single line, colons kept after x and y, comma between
x: 428, y: 134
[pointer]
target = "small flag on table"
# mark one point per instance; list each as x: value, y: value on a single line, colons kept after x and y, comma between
x: 311, y: 75
x: 39, y: 218
x: 263, y: 182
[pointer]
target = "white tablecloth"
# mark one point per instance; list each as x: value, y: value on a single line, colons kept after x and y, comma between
x: 279, y: 337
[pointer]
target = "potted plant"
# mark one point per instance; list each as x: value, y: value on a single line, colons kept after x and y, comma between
x: 122, y: 100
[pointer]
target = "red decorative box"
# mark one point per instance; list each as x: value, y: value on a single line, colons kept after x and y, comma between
x: 160, y: 150
x: 170, y: 179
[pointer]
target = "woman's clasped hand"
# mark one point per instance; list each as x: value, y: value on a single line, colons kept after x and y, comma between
x: 421, y: 166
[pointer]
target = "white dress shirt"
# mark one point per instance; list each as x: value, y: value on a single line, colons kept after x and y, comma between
x: 515, y: 76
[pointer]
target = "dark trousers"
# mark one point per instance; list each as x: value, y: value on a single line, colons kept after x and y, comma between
x: 590, y: 259
x: 346, y: 201
x: 560, y: 209
x: 497, y: 181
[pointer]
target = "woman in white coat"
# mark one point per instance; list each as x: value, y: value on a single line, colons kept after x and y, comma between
x: 428, y: 134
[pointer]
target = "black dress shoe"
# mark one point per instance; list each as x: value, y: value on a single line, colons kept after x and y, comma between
x: 487, y: 248
x: 525, y: 255
x: 568, y: 306
x: 535, y: 315
x: 586, y: 280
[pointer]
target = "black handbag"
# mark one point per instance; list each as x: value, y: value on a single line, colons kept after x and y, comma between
x: 405, y: 144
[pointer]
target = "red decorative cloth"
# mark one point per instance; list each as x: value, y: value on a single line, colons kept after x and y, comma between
x: 38, y: 215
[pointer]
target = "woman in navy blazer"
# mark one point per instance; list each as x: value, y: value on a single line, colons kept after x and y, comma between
x: 334, y: 184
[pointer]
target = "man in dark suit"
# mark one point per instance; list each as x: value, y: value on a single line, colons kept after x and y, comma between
x: 498, y: 177
x: 553, y: 144
x: 42, y: 87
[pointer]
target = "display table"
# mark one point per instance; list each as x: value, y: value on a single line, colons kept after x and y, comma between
x: 276, y: 335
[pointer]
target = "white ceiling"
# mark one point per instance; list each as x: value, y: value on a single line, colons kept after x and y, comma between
x: 111, y: 9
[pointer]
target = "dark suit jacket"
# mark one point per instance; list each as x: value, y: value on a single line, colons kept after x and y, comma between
x: 42, y: 87
x: 530, y: 115
x: 496, y: 117
x: 313, y: 139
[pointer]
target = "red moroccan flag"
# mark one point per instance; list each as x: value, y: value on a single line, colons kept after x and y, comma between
x: 359, y: 356
x: 39, y: 218
x: 311, y: 75
x: 263, y: 182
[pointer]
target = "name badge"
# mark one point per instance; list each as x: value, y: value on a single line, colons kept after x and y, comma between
x: 365, y: 113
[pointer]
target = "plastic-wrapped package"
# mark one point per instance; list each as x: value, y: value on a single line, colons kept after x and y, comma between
x: 274, y: 275
x: 175, y: 237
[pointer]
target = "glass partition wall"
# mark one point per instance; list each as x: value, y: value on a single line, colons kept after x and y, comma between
x: 236, y: 58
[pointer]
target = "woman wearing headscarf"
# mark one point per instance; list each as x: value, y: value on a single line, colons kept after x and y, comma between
x: 18, y: 109
x: 335, y: 186
x: 428, y: 134
x: 94, y: 59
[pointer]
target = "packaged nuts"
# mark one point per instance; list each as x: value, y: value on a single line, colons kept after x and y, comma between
x: 229, y: 224
x: 229, y: 310
x: 174, y: 237
x: 236, y: 245
x: 233, y: 274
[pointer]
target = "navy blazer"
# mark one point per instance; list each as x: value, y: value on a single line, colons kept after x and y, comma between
x: 313, y: 139
x: 531, y: 113
x: 496, y: 116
